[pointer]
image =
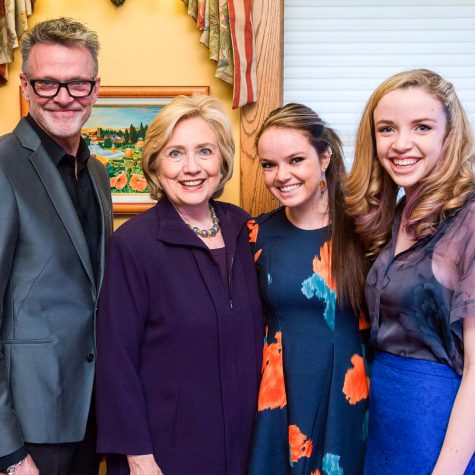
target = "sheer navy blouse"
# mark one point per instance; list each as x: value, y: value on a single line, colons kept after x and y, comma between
x: 418, y: 298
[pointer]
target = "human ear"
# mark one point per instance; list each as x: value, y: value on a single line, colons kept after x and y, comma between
x: 24, y: 87
x: 325, y: 157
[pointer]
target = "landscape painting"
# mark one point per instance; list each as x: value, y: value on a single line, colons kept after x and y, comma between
x: 115, y: 135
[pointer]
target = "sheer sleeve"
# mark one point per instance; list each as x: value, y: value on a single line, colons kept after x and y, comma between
x: 454, y: 262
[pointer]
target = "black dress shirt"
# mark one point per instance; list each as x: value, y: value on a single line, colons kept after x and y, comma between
x: 79, y: 186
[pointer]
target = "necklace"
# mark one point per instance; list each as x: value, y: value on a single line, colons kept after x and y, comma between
x: 211, y: 232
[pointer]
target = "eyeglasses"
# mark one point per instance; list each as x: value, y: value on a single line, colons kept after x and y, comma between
x: 77, y: 88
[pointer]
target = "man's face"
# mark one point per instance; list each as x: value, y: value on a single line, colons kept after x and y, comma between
x: 62, y: 116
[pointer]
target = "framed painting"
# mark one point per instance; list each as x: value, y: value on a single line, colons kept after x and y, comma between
x: 115, y: 133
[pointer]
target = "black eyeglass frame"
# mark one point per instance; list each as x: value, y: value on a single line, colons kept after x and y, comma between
x: 65, y: 84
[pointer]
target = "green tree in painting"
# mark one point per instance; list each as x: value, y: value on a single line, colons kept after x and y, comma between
x: 133, y: 134
x: 141, y: 131
x: 107, y: 143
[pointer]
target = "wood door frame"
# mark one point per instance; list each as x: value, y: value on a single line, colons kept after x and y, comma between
x: 268, y: 21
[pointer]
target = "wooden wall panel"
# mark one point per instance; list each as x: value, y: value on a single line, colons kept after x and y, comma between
x: 268, y: 25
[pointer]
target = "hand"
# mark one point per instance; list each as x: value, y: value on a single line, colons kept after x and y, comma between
x: 143, y: 465
x: 28, y: 467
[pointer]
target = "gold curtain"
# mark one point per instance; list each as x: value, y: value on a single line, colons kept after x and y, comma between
x: 212, y: 17
x: 13, y: 22
x: 227, y: 31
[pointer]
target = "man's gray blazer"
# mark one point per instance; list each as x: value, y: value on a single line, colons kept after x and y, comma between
x: 47, y: 296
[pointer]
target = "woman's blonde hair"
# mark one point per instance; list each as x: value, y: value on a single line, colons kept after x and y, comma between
x: 160, y: 130
x: 372, y: 194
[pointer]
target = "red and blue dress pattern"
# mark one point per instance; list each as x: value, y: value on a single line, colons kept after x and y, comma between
x: 312, y: 406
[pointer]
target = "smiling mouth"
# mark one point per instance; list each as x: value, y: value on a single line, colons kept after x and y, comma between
x: 192, y: 183
x: 64, y: 111
x: 404, y: 162
x: 289, y: 188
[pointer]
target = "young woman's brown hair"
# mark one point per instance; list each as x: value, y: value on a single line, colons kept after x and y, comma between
x: 348, y: 266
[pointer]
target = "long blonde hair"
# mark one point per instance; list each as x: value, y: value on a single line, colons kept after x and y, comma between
x: 371, y: 196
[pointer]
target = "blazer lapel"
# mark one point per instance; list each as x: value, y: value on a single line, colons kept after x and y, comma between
x: 105, y: 216
x: 57, y: 192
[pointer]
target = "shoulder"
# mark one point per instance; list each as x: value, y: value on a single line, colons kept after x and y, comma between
x: 463, y: 217
x: 469, y: 205
x: 8, y: 140
x: 273, y: 216
x: 9, y: 147
x: 137, y: 230
x: 262, y: 227
x: 17, y: 145
x: 231, y: 210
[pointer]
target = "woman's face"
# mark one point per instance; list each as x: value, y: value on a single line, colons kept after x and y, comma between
x: 189, y: 164
x: 292, y: 167
x: 410, y: 129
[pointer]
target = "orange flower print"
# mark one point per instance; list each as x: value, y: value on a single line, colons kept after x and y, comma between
x: 257, y: 255
x: 253, y: 230
x: 322, y: 266
x: 119, y: 181
x: 138, y: 182
x: 272, y: 390
x: 300, y: 445
x: 363, y: 323
x: 356, y: 385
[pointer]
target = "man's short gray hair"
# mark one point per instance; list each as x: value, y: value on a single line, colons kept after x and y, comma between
x: 62, y: 31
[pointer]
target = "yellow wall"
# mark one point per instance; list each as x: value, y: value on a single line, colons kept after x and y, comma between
x: 143, y: 43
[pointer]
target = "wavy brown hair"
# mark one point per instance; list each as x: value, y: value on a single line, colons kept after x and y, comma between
x: 348, y: 266
x: 372, y: 194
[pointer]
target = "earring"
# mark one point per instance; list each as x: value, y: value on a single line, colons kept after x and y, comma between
x: 323, y: 182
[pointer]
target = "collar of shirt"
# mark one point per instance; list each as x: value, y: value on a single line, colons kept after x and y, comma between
x: 55, y: 151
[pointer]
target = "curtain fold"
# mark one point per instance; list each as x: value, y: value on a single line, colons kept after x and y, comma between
x: 228, y: 33
x: 13, y: 22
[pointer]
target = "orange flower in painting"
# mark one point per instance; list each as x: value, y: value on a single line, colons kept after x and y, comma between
x: 253, y: 230
x: 257, y: 255
x: 272, y: 391
x: 300, y: 445
x: 363, y: 323
x: 119, y: 181
x: 316, y: 472
x: 356, y: 386
x: 322, y: 265
x: 138, y: 182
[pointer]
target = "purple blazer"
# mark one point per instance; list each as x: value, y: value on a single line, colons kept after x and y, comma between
x: 179, y: 355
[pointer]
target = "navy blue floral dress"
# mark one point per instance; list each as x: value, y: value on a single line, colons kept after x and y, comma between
x: 314, y: 388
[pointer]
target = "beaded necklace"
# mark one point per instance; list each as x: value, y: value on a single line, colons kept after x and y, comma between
x: 211, y: 232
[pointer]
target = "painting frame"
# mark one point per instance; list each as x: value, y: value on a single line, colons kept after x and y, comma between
x: 130, y: 96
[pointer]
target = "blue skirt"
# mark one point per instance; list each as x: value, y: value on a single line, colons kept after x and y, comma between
x: 410, y: 405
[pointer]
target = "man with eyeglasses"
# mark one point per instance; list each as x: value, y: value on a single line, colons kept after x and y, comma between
x: 55, y: 217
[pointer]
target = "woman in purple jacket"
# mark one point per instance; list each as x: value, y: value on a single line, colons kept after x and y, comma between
x: 180, y: 320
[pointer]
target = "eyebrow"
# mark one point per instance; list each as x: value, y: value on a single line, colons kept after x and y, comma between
x: 290, y: 155
x: 295, y: 154
x: 415, y: 121
x: 182, y: 147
